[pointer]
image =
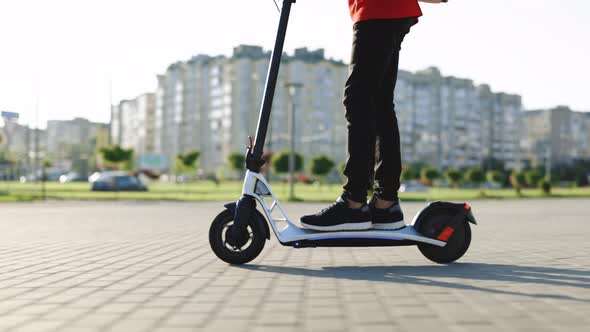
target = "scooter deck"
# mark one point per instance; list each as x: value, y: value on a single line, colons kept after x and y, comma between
x: 299, y: 237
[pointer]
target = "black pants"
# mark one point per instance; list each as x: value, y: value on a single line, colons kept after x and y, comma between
x: 370, y: 112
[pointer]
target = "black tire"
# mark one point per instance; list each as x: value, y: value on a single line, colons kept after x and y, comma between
x: 243, y: 255
x: 456, y: 247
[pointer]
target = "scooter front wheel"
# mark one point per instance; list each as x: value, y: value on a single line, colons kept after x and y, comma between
x: 229, y: 251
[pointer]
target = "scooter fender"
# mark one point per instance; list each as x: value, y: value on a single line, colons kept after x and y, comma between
x: 470, y: 215
x: 462, y: 210
x: 257, y: 216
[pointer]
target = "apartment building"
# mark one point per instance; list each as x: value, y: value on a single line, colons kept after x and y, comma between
x: 442, y: 120
x: 502, y: 127
x: 132, y: 124
x: 211, y: 104
x: 64, y: 133
x: 20, y: 142
x: 72, y: 141
x: 169, y: 110
x: 559, y: 133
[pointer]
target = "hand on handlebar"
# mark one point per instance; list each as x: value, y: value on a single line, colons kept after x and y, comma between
x: 434, y: 1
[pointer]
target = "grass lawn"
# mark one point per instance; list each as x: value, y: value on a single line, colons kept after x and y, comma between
x: 230, y: 191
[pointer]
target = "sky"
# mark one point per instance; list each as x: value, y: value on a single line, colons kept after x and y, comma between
x: 70, y: 58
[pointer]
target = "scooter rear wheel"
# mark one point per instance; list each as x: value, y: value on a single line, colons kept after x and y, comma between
x: 218, y: 239
x: 456, y: 247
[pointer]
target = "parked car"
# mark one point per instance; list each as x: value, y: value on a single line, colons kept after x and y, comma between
x: 118, y: 183
x: 72, y: 177
x: 104, y: 174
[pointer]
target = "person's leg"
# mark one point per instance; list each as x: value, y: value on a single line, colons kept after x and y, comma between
x: 373, y: 45
x: 385, y: 210
x: 389, y: 164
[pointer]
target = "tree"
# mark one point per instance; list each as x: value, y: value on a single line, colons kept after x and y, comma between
x: 236, y: 161
x: 187, y: 162
x: 517, y: 179
x: 532, y: 178
x: 453, y: 176
x: 280, y: 162
x: 428, y: 174
x: 321, y: 166
x: 408, y: 174
x: 545, y: 186
x: 116, y: 155
x: 475, y: 175
x: 45, y: 164
x: 495, y: 177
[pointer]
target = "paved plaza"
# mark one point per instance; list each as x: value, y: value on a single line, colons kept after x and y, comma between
x: 147, y: 266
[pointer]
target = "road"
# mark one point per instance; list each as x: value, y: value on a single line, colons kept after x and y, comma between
x: 147, y: 266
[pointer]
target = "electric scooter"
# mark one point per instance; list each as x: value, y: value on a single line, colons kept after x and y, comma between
x: 238, y: 234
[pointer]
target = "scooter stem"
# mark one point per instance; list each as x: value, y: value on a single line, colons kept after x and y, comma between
x: 255, y: 155
x: 247, y: 204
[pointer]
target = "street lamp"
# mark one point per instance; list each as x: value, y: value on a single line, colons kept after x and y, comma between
x: 292, y: 88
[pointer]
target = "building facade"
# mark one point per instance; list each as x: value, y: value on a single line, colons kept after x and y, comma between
x: 169, y: 110
x: 21, y: 148
x: 115, y: 126
x: 237, y: 89
x: 559, y: 133
x: 78, y: 131
x: 71, y: 142
x: 502, y: 127
x: 451, y: 122
x: 135, y: 124
x: 211, y: 104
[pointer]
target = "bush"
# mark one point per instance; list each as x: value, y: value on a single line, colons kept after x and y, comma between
x: 533, y: 178
x: 321, y: 166
x: 236, y: 161
x: 475, y: 175
x: 517, y: 179
x: 187, y: 162
x: 495, y: 177
x: 408, y: 174
x: 453, y: 176
x: 428, y: 174
x: 545, y: 186
x: 280, y: 162
x: 117, y: 155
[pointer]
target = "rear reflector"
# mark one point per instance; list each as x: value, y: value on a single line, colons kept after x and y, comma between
x: 467, y: 207
x: 446, y: 233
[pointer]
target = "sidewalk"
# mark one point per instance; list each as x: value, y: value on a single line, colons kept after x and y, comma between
x: 140, y: 266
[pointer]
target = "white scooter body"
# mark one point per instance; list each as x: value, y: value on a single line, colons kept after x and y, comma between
x: 291, y: 233
x: 237, y: 235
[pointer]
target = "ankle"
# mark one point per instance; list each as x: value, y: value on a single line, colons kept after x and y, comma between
x: 383, y: 204
x: 354, y: 205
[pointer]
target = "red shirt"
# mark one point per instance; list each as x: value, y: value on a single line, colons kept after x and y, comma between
x: 361, y: 10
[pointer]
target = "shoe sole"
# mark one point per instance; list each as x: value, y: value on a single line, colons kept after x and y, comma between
x: 357, y: 226
x: 393, y: 226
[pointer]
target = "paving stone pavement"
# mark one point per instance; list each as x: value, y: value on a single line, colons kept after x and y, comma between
x: 141, y: 266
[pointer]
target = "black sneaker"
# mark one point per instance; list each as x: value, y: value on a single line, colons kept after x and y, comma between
x: 339, y: 217
x: 387, y: 219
